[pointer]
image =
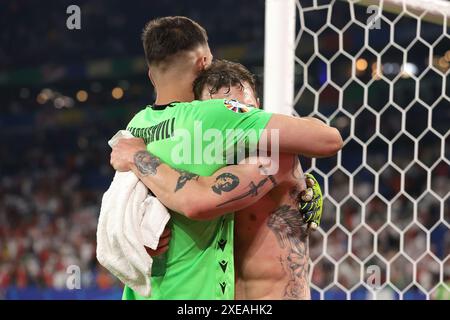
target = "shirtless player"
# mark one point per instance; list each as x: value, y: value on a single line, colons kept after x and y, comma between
x: 271, y: 243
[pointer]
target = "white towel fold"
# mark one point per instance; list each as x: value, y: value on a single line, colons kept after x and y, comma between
x: 129, y: 219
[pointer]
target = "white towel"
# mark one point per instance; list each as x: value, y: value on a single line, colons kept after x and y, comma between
x: 129, y: 219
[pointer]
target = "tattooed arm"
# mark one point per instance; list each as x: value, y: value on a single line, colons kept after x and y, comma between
x: 199, y: 197
x: 205, y: 197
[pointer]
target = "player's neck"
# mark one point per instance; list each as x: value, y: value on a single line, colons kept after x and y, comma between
x: 175, y: 91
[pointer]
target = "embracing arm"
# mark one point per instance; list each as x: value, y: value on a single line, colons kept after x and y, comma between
x: 307, y: 136
x: 206, y: 197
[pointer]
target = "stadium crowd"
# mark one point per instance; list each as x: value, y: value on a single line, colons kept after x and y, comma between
x: 37, y: 33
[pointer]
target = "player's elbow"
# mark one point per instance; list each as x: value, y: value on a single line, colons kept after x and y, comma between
x: 191, y: 212
x: 333, y: 143
x: 196, y: 214
x: 194, y: 209
x: 336, y: 143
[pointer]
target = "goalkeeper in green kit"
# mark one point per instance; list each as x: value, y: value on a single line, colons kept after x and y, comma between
x: 199, y: 263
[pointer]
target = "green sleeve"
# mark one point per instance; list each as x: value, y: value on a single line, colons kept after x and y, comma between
x: 241, y: 126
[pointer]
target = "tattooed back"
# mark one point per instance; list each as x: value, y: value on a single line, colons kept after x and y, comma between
x: 271, y: 243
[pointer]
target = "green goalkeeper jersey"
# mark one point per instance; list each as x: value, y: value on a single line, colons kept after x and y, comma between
x: 196, y: 137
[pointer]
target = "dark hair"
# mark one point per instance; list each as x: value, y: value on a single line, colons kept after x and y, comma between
x: 223, y: 73
x: 164, y: 37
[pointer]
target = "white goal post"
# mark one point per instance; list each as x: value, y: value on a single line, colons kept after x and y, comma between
x: 279, y: 53
x: 379, y: 70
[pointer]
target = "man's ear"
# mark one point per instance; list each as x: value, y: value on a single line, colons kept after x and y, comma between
x: 151, y: 78
x: 258, y: 103
x: 202, y: 63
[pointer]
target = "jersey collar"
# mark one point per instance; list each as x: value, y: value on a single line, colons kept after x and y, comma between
x: 163, y: 106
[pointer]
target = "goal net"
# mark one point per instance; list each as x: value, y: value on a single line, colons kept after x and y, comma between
x: 378, y: 70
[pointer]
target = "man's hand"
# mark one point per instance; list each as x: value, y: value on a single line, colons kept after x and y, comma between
x: 311, y: 202
x: 122, y: 155
x: 163, y: 244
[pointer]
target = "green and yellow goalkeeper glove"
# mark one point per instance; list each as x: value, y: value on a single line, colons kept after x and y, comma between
x: 311, y: 202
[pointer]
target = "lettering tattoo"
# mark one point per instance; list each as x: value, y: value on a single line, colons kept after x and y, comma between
x: 253, y: 190
x: 185, y: 176
x: 225, y: 183
x: 146, y: 163
x: 287, y: 224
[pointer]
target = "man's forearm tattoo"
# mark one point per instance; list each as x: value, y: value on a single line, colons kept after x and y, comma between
x: 288, y: 226
x: 146, y: 163
x: 253, y: 190
x: 185, y: 176
x: 225, y: 183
